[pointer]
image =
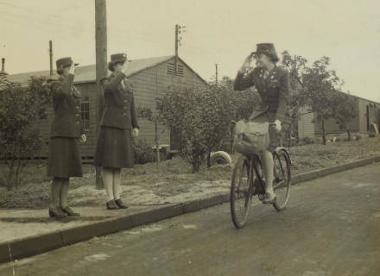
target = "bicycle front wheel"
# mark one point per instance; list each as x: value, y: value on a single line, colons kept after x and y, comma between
x: 282, y: 180
x: 241, y: 191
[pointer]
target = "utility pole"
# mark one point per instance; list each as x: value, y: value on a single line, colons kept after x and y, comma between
x: 51, y: 57
x: 2, y: 72
x: 216, y: 74
x: 176, y: 48
x: 3, y: 65
x: 177, y: 42
x: 101, y: 67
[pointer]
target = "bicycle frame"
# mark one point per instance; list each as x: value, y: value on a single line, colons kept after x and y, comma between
x: 259, y: 184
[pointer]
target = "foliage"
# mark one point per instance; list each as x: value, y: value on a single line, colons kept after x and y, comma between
x: 143, y: 152
x: 145, y: 113
x: 202, y: 115
x: 20, y: 109
x: 321, y: 86
x: 307, y: 141
x: 243, y: 103
x: 297, y: 66
x: 317, y: 87
x: 344, y: 111
x: 148, y: 114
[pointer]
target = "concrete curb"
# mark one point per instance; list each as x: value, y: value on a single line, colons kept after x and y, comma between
x: 339, y: 168
x: 43, y: 243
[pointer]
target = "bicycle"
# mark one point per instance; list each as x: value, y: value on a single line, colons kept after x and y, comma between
x: 247, y: 181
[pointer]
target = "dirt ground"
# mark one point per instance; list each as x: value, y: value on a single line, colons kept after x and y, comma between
x: 172, y: 181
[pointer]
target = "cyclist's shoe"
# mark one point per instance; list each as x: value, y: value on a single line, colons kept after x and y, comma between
x: 269, y: 198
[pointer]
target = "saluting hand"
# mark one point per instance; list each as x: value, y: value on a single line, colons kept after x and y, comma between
x: 83, y: 138
x: 72, y: 69
x: 125, y: 68
x: 135, y: 132
x: 246, y: 64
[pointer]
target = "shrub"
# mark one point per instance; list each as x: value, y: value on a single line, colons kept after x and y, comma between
x: 307, y: 140
x: 143, y: 152
x: 20, y: 109
x: 202, y: 115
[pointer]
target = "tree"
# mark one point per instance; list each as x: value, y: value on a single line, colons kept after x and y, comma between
x: 318, y: 87
x: 321, y: 85
x: 344, y: 111
x: 148, y: 114
x: 20, y: 109
x: 202, y: 115
x: 243, y: 103
x: 297, y: 67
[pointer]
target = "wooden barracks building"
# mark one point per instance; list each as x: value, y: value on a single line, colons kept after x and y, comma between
x: 367, y: 112
x: 151, y: 77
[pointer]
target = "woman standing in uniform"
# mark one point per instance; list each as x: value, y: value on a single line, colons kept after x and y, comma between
x: 64, y: 158
x: 114, y: 149
x: 272, y: 83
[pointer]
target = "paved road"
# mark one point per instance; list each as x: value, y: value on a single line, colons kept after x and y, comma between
x: 331, y: 227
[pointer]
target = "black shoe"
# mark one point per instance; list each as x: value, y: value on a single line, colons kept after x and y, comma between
x: 111, y: 205
x: 70, y: 212
x: 57, y: 213
x: 120, y: 204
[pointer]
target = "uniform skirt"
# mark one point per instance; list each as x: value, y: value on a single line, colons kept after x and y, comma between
x: 114, y: 148
x: 64, y: 158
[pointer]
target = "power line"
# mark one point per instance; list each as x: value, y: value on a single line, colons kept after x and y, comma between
x: 72, y: 7
x: 33, y: 11
x: 31, y: 15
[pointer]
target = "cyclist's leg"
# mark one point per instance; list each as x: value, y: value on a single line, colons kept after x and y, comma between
x: 268, y: 165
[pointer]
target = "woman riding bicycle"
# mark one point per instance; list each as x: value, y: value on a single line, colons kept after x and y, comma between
x: 272, y: 83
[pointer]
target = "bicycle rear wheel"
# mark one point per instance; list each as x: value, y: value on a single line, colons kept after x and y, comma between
x: 282, y: 180
x: 241, y: 191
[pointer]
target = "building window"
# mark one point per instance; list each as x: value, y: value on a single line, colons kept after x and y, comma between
x: 85, y: 113
x: 171, y: 71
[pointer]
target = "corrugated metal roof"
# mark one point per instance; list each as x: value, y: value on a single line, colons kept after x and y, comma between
x: 87, y: 73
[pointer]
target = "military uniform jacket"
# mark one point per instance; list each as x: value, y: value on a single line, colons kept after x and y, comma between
x: 66, y: 104
x: 273, y: 88
x: 120, y: 110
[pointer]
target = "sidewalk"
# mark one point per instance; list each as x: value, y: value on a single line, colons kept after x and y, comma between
x: 21, y: 224
x: 29, y: 232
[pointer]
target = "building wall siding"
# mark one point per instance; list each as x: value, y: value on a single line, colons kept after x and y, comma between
x: 306, y: 126
x: 153, y: 83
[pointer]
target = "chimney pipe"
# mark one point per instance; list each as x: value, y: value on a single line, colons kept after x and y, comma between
x: 3, y: 65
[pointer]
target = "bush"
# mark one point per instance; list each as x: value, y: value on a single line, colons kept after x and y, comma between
x: 307, y: 141
x: 20, y: 109
x: 203, y: 116
x: 143, y: 152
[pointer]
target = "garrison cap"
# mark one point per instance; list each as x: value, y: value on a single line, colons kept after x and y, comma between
x: 268, y: 50
x: 117, y: 58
